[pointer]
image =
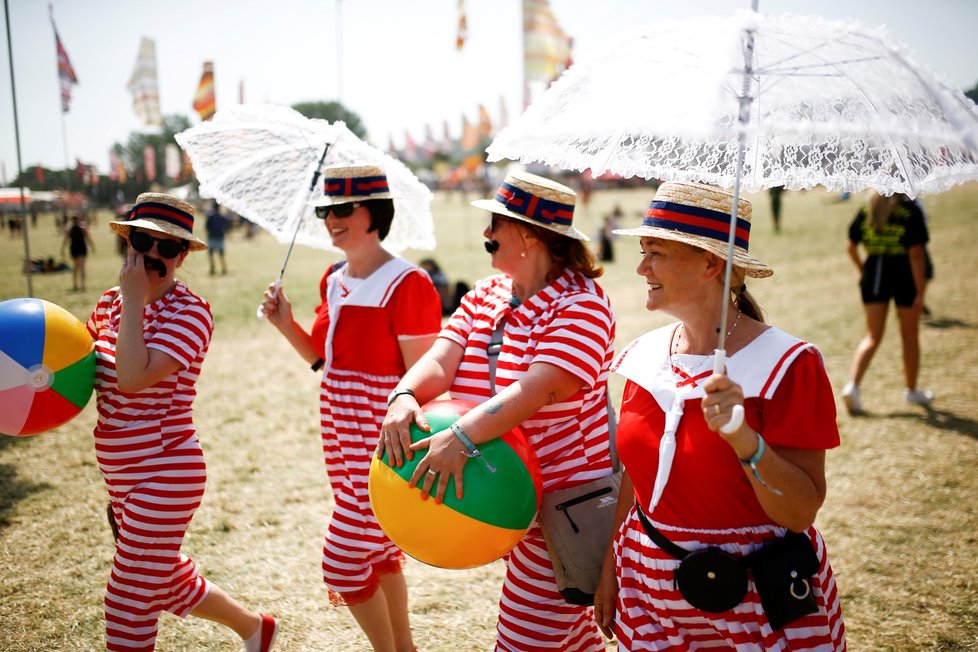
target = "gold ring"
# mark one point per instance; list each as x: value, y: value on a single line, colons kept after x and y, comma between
x: 716, y: 410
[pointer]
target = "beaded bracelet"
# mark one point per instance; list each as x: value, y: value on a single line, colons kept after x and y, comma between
x: 755, y: 459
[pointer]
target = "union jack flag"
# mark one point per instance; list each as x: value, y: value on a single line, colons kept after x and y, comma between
x: 66, y: 74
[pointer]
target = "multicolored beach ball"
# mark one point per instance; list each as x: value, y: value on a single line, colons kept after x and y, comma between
x: 494, y: 513
x: 47, y: 366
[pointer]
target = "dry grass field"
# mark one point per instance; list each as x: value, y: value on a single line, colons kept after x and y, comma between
x: 901, y: 518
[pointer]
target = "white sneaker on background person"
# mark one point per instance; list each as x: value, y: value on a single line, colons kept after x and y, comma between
x: 850, y: 396
x: 919, y: 397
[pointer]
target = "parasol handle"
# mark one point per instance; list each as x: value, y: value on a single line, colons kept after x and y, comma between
x: 260, y: 314
x: 737, y: 414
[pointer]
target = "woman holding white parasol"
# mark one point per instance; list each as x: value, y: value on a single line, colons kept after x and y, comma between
x: 730, y: 491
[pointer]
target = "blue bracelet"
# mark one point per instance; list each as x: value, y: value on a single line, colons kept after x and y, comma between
x: 755, y: 459
x: 470, y: 448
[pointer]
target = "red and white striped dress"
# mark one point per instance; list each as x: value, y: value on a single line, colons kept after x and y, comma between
x: 708, y: 500
x: 357, y: 329
x: 153, y: 465
x: 569, y: 324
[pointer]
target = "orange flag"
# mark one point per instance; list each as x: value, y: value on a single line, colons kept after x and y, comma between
x: 204, y: 102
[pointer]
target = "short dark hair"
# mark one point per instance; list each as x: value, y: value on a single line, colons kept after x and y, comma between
x: 381, y: 215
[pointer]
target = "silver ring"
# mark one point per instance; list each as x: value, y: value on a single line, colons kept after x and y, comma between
x: 432, y: 472
x: 387, y: 436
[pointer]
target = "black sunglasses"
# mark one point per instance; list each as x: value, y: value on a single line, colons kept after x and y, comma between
x: 339, y: 210
x: 497, y: 221
x: 143, y: 242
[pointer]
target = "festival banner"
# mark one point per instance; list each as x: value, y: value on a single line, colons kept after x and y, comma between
x: 485, y: 123
x: 143, y: 86
x: 463, y: 29
x: 546, y: 48
x: 171, y: 160
x: 66, y: 73
x: 149, y: 162
x: 204, y: 101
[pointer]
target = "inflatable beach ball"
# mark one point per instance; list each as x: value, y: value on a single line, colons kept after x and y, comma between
x: 496, y: 510
x: 47, y: 366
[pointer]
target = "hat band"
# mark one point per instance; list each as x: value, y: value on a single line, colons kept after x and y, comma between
x: 545, y: 211
x: 162, y: 213
x: 359, y: 187
x: 696, y: 221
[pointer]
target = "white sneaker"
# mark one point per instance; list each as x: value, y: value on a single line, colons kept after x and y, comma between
x: 850, y: 396
x: 919, y: 397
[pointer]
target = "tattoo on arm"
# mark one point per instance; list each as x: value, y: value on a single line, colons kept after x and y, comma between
x: 493, y: 406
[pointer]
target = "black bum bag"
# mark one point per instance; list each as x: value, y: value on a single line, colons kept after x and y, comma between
x: 715, y: 581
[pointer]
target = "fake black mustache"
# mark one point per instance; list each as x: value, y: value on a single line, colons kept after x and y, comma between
x: 492, y: 246
x: 154, y: 264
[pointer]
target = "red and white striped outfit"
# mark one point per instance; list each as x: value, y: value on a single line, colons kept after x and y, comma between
x: 357, y: 329
x: 568, y: 324
x: 708, y: 500
x: 153, y: 465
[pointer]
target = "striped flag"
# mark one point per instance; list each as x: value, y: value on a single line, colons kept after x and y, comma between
x: 143, y: 86
x: 463, y: 29
x: 546, y: 48
x: 66, y: 73
x: 204, y: 102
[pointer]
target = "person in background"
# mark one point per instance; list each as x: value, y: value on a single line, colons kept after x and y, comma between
x: 151, y: 335
x: 378, y: 315
x: 78, y: 242
x: 775, y: 192
x: 216, y: 226
x: 557, y: 333
x: 738, y: 491
x: 892, y: 231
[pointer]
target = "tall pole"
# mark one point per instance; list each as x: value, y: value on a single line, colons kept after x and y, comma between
x: 20, y: 174
x: 339, y: 51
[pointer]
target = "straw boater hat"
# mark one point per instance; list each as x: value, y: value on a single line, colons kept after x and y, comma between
x: 699, y: 215
x: 154, y: 211
x: 527, y: 197
x: 350, y: 183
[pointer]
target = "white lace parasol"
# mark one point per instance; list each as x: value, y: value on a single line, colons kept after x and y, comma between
x: 829, y: 103
x: 260, y: 161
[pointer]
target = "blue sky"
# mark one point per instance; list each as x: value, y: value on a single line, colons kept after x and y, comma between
x: 399, y: 68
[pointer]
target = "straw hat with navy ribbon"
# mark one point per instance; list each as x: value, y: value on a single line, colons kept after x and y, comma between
x: 527, y: 197
x: 350, y: 183
x: 699, y: 215
x: 154, y: 211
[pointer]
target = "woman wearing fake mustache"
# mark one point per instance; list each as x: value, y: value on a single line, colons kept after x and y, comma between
x: 554, y: 330
x: 151, y: 335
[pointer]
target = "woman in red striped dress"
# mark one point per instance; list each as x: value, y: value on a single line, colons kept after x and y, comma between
x: 688, y: 485
x: 378, y: 314
x: 151, y: 334
x: 551, y: 380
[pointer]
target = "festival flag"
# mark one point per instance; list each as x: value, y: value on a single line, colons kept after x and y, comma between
x: 430, y: 145
x: 204, y: 102
x: 410, y: 152
x: 391, y: 148
x: 485, y: 123
x: 546, y: 48
x: 149, y: 162
x: 143, y: 86
x: 470, y: 137
x: 66, y: 73
x: 463, y: 29
x: 171, y: 160
x: 447, y: 142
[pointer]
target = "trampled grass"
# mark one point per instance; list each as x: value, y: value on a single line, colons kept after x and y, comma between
x: 900, y: 519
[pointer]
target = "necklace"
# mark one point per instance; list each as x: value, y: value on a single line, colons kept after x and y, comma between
x: 679, y: 332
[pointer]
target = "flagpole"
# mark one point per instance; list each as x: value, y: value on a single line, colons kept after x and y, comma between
x: 339, y: 51
x: 20, y: 180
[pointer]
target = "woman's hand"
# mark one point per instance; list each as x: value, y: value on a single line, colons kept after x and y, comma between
x: 133, y: 279
x: 722, y: 395
x: 395, y: 432
x: 443, y: 460
x: 606, y: 597
x: 276, y: 306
